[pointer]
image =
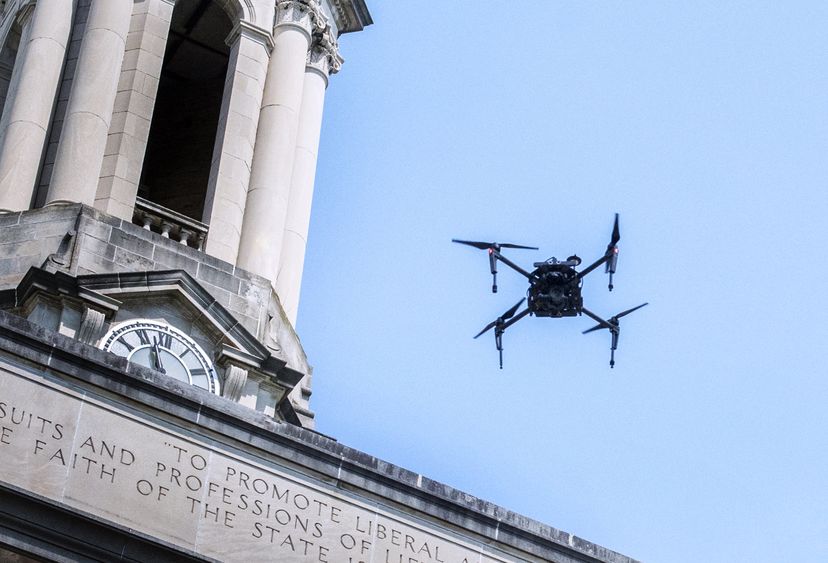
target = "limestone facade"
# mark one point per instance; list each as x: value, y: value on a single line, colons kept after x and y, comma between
x: 81, y: 81
x: 196, y: 120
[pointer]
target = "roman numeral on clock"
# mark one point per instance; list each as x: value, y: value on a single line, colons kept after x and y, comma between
x: 165, y: 340
x: 143, y: 336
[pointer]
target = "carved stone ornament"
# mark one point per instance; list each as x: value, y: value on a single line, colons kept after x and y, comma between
x: 91, y: 327
x: 234, y: 380
x: 304, y: 14
x: 323, y: 56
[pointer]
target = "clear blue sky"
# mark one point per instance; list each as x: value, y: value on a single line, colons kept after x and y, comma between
x: 705, y: 125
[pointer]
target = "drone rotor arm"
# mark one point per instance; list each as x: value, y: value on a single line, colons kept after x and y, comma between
x: 601, y: 322
x: 594, y: 265
x: 498, y: 256
x: 515, y: 319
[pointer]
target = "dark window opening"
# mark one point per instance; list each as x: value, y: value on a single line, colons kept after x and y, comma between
x: 179, y: 151
x: 8, y: 56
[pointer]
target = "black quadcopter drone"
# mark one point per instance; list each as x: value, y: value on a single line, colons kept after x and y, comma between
x: 554, y: 289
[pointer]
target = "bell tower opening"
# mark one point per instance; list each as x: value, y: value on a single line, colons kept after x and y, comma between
x: 187, y: 107
x: 8, y: 55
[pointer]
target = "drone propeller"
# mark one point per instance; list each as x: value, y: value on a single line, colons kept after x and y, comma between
x: 494, y: 254
x: 499, y: 325
x: 500, y: 321
x: 612, y: 251
x: 492, y: 245
x: 627, y: 312
x: 614, y: 327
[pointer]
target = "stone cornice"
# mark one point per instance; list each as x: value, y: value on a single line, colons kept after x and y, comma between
x: 350, y: 15
x: 229, y: 425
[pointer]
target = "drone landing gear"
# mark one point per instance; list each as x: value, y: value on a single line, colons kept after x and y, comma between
x: 494, y: 255
x: 554, y: 288
x: 612, y: 325
x: 503, y: 322
x: 610, y: 257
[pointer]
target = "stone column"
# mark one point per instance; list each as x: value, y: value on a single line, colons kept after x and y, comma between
x: 323, y: 59
x: 30, y: 101
x: 133, y: 108
x: 273, y: 156
x: 89, y: 113
x: 235, y: 137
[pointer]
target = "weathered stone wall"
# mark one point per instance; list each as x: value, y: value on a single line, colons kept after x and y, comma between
x: 159, y: 475
x: 80, y: 240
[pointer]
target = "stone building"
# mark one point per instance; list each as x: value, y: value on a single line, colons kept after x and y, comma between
x: 157, y: 163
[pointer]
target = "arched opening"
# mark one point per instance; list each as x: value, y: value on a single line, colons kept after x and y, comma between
x: 179, y: 150
x: 8, y: 55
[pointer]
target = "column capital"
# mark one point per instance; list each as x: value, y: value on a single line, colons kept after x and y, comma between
x: 304, y: 14
x: 323, y: 55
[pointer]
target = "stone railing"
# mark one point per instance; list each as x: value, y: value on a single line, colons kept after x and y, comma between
x: 169, y: 224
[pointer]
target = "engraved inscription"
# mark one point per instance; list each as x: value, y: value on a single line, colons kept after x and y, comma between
x: 154, y: 479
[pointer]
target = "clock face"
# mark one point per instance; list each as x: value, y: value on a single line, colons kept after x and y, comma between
x: 163, y: 348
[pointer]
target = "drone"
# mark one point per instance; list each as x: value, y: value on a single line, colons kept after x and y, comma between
x: 554, y: 289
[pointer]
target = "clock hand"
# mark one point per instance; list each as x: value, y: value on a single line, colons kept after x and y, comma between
x: 158, y: 365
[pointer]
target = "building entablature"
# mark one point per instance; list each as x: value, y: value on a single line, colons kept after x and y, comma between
x: 188, y: 476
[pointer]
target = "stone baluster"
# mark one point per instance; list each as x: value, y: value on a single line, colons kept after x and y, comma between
x: 166, y: 227
x: 184, y: 236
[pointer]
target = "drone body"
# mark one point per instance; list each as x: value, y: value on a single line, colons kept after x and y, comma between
x: 554, y: 289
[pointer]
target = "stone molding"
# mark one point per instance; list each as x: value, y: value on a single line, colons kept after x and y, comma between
x: 252, y: 32
x: 350, y: 15
x: 321, y: 458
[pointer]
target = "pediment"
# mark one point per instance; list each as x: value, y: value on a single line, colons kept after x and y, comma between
x: 88, y: 307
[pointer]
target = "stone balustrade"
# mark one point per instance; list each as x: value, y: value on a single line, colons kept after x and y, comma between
x: 169, y: 224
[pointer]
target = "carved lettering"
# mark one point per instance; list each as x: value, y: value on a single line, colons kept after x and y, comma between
x: 195, y: 495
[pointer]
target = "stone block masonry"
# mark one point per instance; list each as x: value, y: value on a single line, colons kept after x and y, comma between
x: 78, y: 240
x: 192, y: 477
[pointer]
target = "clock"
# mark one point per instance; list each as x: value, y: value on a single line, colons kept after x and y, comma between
x: 159, y: 346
